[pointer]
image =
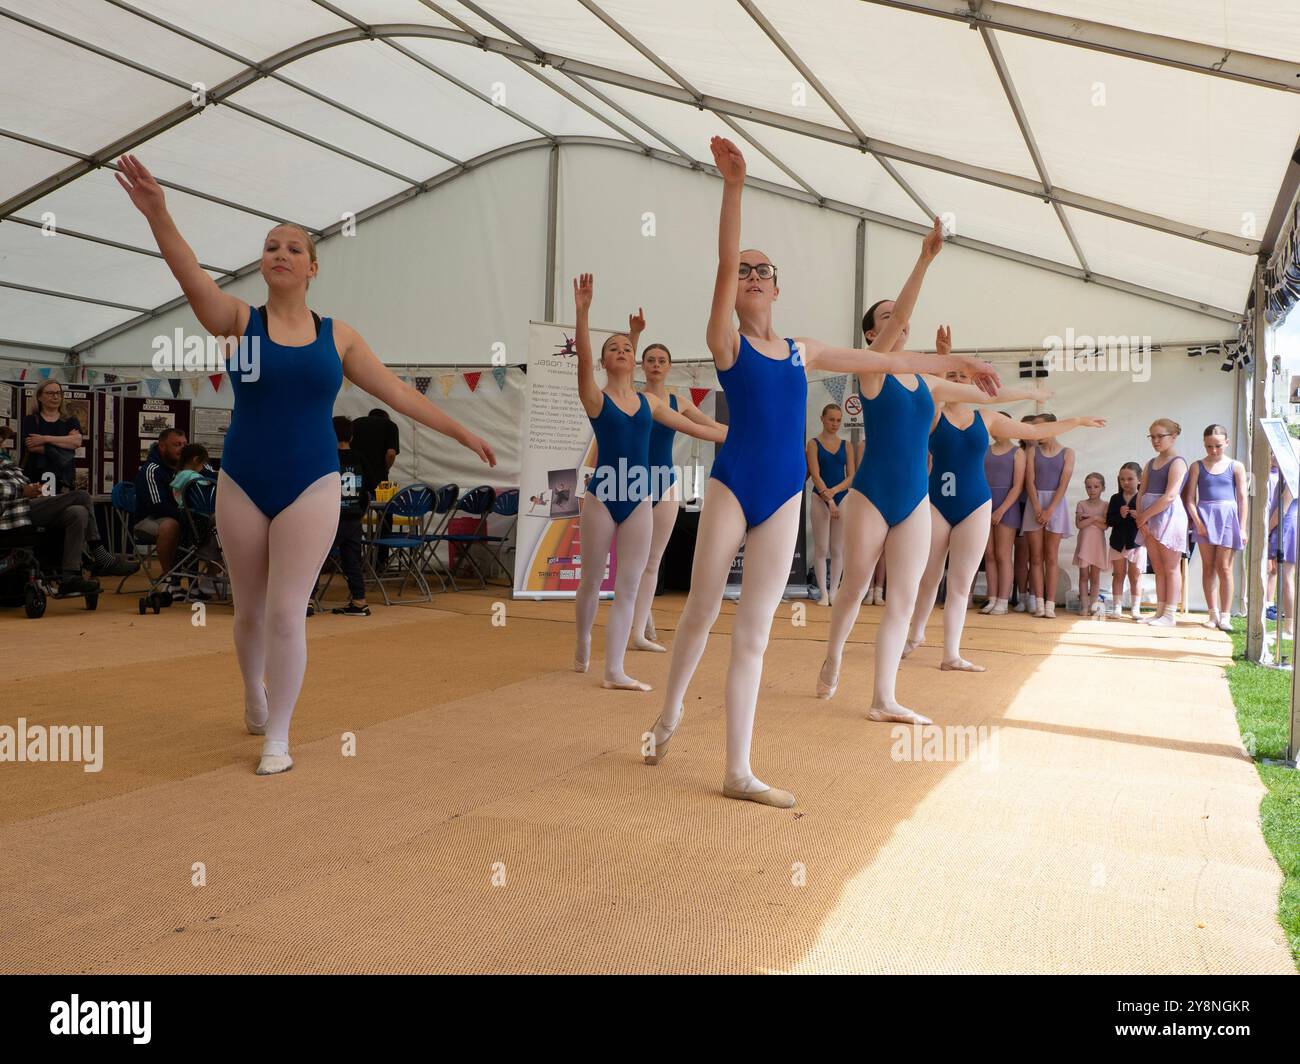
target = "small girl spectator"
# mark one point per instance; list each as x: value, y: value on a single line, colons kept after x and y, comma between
x: 1126, y: 557
x: 1090, y: 548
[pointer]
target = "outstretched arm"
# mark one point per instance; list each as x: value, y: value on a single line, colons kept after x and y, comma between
x: 892, y: 331
x: 1004, y: 428
x: 221, y: 314
x: 362, y: 367
x: 818, y: 355
x: 666, y: 415
x: 722, y: 337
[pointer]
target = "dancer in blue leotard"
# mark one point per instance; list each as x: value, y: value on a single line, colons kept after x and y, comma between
x: 278, y: 492
x: 887, y: 510
x: 619, y: 498
x: 961, y: 502
x: 831, y: 465
x: 665, y: 488
x: 757, y: 481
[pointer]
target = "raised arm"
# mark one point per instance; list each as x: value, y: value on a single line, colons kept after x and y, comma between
x: 362, y: 367
x: 666, y: 415
x: 722, y: 336
x: 588, y: 390
x: 892, y: 331
x: 221, y: 314
x: 635, y: 327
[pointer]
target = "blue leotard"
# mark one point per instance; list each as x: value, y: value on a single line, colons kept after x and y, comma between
x: 833, y: 467
x: 662, y: 474
x: 958, y: 484
x: 898, y: 426
x: 622, y: 480
x: 281, y: 438
x: 762, y: 459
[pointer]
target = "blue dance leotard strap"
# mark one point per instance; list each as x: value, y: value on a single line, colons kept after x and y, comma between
x: 281, y: 438
x: 898, y: 434
x: 958, y: 483
x: 622, y: 480
x: 762, y: 459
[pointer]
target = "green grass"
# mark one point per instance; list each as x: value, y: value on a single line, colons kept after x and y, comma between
x: 1263, y: 700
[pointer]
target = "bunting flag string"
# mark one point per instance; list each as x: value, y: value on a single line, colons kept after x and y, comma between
x: 698, y: 395
x: 499, y: 375
x: 835, y: 385
x: 472, y: 379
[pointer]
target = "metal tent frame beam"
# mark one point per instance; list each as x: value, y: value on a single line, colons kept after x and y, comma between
x: 594, y: 72
x: 851, y: 210
x: 1207, y: 59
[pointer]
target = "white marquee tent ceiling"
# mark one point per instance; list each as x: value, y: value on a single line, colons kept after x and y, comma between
x: 1146, y: 147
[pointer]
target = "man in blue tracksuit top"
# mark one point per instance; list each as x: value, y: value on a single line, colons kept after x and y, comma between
x: 156, y: 513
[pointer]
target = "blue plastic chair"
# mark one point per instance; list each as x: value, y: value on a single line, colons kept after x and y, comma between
x: 415, y: 502
x: 475, y: 503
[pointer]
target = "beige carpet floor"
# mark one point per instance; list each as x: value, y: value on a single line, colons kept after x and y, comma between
x: 497, y: 817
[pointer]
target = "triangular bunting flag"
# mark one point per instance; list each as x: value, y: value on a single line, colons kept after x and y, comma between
x: 499, y: 375
x: 153, y: 384
x: 698, y: 395
x: 215, y: 381
x: 22, y: 374
x: 110, y: 378
x: 445, y: 381
x: 524, y: 369
x: 174, y: 383
x: 472, y: 379
x: 835, y: 385
x: 92, y: 375
x: 45, y: 372
x: 422, y: 384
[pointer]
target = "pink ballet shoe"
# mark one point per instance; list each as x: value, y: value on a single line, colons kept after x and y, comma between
x: 827, y: 690
x: 897, y: 716
x: 625, y: 685
x: 253, y: 727
x: 960, y: 665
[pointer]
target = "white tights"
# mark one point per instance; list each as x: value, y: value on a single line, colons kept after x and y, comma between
x: 769, y: 548
x: 963, y: 544
x: 828, y: 540
x: 665, y: 517
x: 906, y: 548
x: 273, y: 569
x: 597, y: 531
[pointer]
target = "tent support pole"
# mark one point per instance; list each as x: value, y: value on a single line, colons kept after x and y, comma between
x: 552, y: 223
x: 1259, y: 465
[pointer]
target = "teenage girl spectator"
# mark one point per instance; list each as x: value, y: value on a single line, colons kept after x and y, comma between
x: 1162, y: 519
x: 1216, y: 506
x: 831, y: 466
x: 1048, y: 468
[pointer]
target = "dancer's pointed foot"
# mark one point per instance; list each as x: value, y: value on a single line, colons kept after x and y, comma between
x: 751, y: 789
x: 961, y: 665
x: 275, y: 759
x: 828, y: 681
x: 650, y: 632
x: 637, y: 643
x: 659, y: 737
x: 255, y: 717
x: 911, y: 645
x: 897, y: 714
x: 623, y: 682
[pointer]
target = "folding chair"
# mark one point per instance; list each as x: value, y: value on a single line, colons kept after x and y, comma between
x: 507, y: 505
x: 143, y: 549
x: 414, y: 504
x: 476, y: 503
x: 444, y: 508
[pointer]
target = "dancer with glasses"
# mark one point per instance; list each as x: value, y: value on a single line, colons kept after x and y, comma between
x: 1162, y: 520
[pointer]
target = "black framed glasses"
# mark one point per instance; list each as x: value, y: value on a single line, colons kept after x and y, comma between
x: 765, y: 271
